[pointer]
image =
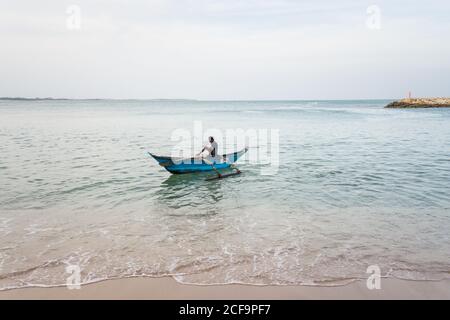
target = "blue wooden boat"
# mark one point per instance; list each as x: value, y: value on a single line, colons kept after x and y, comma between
x: 180, y: 165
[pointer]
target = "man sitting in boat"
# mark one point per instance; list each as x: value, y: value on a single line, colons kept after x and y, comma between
x: 209, y: 154
x: 211, y: 149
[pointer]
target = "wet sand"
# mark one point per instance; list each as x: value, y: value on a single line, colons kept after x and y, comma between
x: 168, y: 288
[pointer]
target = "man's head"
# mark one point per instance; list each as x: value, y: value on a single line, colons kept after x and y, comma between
x: 211, y: 139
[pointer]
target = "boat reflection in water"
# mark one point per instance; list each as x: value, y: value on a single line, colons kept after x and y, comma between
x: 191, y: 194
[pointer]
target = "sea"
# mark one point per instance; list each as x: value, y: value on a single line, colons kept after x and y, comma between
x: 330, y: 192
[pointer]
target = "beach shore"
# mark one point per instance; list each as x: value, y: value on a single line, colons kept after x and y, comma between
x: 168, y: 288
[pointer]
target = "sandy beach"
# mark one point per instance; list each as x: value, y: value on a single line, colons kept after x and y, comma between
x: 168, y: 288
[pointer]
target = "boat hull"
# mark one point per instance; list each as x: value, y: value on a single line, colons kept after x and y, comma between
x: 182, y: 166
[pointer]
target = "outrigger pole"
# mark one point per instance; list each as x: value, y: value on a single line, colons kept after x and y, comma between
x: 219, y: 175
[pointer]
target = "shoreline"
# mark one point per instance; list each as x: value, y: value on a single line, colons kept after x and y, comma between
x: 168, y: 288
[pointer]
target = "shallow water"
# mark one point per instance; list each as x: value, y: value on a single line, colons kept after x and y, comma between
x: 357, y: 185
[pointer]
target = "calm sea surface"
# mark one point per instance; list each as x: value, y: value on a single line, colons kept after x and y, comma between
x: 357, y: 185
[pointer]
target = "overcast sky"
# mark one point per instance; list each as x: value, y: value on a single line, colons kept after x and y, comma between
x: 224, y: 49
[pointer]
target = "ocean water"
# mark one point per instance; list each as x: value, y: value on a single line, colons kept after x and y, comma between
x: 356, y: 185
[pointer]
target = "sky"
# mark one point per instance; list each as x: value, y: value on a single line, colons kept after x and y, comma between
x: 224, y: 49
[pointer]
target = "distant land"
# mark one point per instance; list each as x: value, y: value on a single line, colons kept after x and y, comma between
x: 28, y: 99
x: 410, y: 103
x: 86, y: 99
x: 185, y: 99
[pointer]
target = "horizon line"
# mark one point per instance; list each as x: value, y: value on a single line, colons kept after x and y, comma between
x: 183, y: 99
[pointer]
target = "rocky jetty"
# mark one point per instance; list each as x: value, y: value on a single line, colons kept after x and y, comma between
x: 420, y: 103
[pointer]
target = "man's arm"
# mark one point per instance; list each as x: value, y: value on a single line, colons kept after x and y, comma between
x: 201, y: 151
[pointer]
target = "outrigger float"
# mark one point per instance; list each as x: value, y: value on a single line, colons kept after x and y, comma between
x: 192, y: 165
